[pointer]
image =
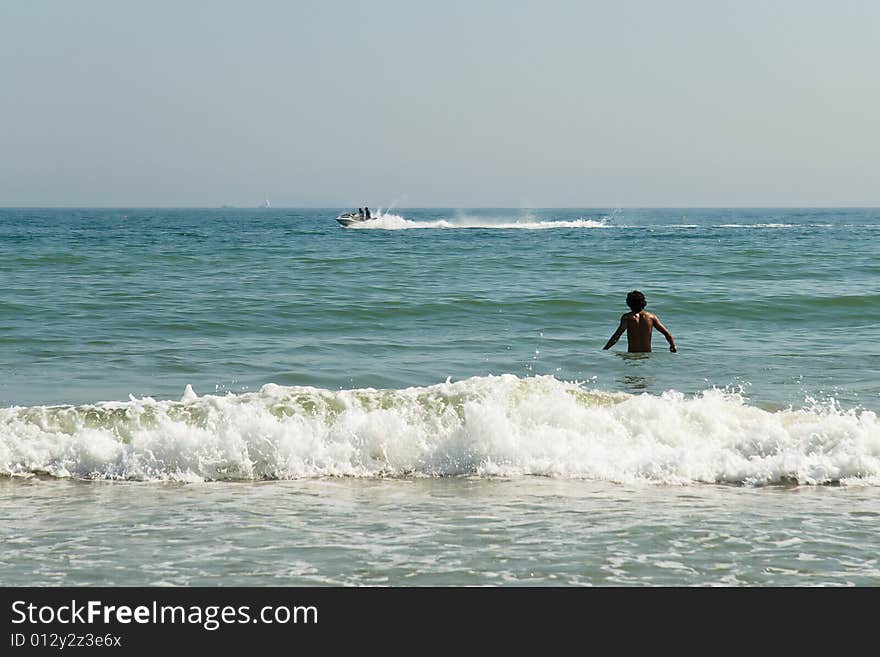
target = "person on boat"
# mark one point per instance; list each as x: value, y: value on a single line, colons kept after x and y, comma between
x: 638, y: 325
x: 367, y: 213
x: 360, y: 213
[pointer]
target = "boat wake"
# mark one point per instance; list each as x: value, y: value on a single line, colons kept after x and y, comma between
x: 390, y: 221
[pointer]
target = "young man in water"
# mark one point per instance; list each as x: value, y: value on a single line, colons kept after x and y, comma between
x: 638, y: 325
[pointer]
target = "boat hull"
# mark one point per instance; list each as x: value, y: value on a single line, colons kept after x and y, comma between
x: 348, y: 220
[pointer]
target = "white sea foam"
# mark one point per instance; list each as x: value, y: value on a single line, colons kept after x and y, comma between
x: 757, y: 225
x: 483, y: 426
x: 390, y: 221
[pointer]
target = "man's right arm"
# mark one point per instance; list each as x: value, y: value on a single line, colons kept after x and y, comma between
x: 666, y: 334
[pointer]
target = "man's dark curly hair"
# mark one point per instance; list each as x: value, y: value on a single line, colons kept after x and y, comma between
x: 636, y: 301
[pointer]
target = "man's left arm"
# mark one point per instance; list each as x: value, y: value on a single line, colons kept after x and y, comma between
x: 614, y: 338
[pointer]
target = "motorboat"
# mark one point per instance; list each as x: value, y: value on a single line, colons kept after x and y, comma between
x: 349, y: 218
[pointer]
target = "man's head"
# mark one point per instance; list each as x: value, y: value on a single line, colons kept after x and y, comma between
x: 636, y: 301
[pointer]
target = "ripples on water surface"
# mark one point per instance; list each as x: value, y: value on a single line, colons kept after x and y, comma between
x: 448, y: 365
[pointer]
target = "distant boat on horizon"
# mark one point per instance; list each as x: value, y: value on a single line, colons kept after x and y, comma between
x: 266, y: 204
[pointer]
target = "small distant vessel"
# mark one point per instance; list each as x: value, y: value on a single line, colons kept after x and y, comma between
x: 266, y: 204
x: 349, y: 218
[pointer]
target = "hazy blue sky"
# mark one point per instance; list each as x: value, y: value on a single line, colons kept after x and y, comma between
x: 477, y: 103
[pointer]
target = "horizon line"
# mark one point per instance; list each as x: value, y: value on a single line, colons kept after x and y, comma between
x: 437, y: 207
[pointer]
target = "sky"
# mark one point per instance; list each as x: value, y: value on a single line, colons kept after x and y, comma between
x: 477, y: 103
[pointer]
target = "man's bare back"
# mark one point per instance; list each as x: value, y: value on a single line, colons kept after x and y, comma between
x: 638, y: 325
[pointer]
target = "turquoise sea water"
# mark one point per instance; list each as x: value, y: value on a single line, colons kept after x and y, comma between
x: 439, y: 371
x: 100, y: 304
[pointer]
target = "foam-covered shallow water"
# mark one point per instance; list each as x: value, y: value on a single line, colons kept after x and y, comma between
x: 451, y: 531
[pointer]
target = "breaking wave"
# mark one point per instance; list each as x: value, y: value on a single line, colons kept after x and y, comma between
x: 494, y: 426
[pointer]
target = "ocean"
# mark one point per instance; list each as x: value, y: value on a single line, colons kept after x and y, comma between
x: 259, y: 396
